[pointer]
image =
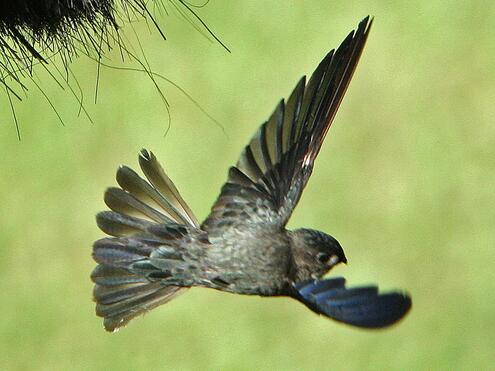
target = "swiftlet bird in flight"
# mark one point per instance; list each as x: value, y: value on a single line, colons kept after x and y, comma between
x: 158, y: 249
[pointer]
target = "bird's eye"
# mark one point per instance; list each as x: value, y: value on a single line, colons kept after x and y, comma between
x: 325, y: 258
x: 334, y: 259
x: 322, y: 257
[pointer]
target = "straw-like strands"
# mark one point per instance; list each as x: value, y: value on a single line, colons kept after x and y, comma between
x: 36, y: 32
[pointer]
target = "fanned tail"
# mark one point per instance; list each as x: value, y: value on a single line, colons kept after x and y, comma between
x: 127, y: 284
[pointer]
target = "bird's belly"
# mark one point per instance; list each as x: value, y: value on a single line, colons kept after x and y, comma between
x: 250, y: 266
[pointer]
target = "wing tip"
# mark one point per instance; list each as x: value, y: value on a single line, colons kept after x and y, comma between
x: 393, y: 305
x: 356, y: 306
x: 366, y: 22
x: 145, y: 155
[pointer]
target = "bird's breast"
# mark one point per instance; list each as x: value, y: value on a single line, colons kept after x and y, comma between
x: 251, y: 263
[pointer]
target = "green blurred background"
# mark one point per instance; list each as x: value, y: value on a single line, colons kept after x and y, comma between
x: 405, y: 181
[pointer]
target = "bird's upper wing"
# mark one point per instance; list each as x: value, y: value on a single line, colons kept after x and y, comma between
x: 359, y: 306
x: 272, y: 171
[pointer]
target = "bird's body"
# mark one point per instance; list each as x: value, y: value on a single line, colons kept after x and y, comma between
x: 250, y: 263
x: 246, y: 261
x: 159, y: 249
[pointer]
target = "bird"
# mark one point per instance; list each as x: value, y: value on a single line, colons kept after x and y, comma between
x: 156, y: 249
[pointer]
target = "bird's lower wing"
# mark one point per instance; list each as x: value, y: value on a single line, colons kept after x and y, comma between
x: 360, y: 306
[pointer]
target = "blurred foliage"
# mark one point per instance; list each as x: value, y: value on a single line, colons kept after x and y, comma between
x: 405, y: 181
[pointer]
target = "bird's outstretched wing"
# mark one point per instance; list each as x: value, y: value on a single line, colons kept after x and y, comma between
x: 359, y: 306
x: 267, y: 182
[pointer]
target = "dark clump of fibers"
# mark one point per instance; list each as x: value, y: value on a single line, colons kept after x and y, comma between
x: 53, y: 16
x: 38, y: 32
x: 34, y: 30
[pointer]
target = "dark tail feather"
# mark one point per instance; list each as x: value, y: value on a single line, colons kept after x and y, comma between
x: 126, y: 283
x: 144, y: 216
x: 119, y: 314
x: 120, y: 293
x: 121, y: 296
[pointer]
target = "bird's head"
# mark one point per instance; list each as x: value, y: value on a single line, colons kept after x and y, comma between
x: 314, y: 254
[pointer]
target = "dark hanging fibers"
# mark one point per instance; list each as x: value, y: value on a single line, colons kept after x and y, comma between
x: 35, y: 32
